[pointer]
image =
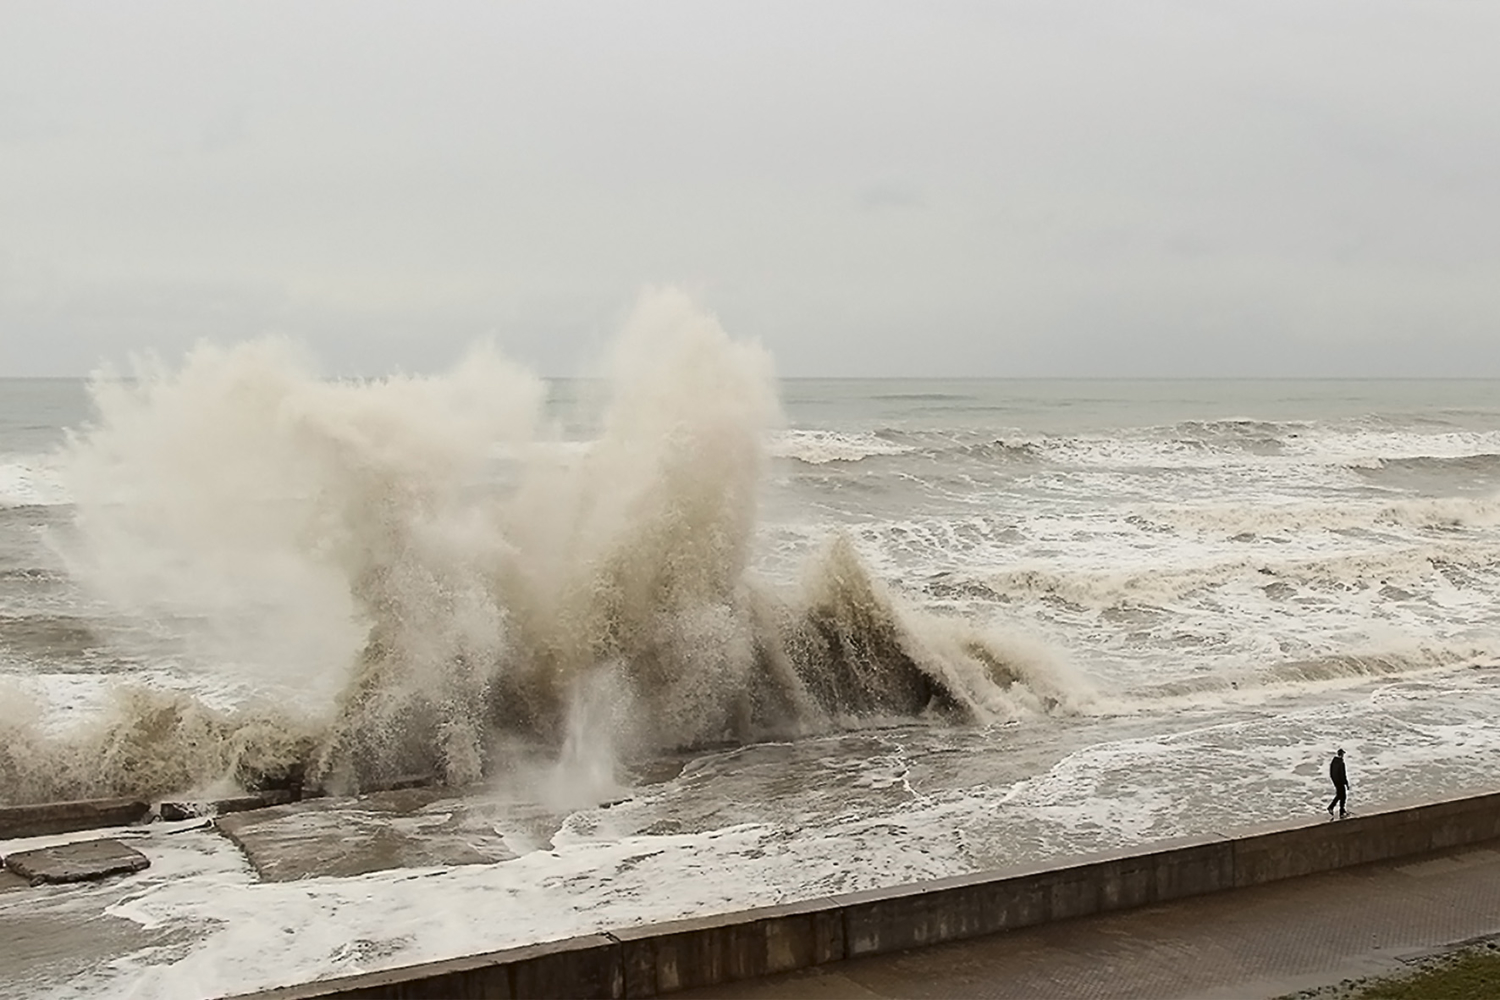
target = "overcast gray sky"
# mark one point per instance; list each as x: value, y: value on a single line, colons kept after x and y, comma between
x: 1048, y: 188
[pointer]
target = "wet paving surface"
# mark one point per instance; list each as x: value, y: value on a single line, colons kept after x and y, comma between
x: 1260, y: 942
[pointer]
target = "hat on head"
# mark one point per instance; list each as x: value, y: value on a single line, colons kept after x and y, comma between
x: 1341, y: 751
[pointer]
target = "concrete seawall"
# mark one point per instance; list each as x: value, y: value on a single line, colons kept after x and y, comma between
x: 661, y: 958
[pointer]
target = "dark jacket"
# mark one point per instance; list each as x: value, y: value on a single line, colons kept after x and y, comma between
x: 1336, y: 772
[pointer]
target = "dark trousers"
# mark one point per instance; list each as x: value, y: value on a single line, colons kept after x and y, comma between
x: 1339, y: 792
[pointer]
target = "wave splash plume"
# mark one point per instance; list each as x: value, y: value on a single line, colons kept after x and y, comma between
x: 433, y: 576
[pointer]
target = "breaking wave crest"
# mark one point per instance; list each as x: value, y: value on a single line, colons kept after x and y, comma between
x: 1465, y: 566
x: 1482, y: 463
x: 1333, y: 669
x: 147, y: 742
x: 1430, y: 513
x: 418, y: 569
x: 27, y: 482
x: 816, y: 447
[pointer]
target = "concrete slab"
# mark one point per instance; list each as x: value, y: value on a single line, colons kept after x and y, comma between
x: 404, y: 828
x: 177, y: 811
x: 78, y: 862
x: 49, y: 818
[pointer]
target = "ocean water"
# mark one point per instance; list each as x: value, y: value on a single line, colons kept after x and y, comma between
x: 876, y: 630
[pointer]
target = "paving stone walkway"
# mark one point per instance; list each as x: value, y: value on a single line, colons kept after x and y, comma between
x: 1260, y: 942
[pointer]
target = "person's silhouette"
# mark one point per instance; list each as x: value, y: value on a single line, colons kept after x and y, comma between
x: 1340, y: 783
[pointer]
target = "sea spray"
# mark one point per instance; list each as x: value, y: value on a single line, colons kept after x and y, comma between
x: 148, y: 742
x: 435, y: 579
x: 586, y: 769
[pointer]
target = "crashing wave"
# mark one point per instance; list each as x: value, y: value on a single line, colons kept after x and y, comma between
x: 436, y: 579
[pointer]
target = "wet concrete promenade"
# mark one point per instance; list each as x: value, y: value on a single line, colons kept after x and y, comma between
x: 1263, y: 941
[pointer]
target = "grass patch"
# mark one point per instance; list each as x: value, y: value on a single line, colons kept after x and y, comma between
x: 1465, y: 975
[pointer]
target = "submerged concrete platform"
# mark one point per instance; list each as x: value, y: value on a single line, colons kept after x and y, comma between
x: 340, y: 837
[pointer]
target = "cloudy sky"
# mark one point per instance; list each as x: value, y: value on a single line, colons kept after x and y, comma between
x: 1047, y: 188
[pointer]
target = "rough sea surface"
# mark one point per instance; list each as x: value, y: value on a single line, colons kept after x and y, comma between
x: 688, y: 638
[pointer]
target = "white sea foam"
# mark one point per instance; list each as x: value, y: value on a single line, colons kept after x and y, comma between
x: 31, y: 480
x: 1343, y: 515
x: 1272, y: 447
x: 819, y: 447
x: 1373, y: 447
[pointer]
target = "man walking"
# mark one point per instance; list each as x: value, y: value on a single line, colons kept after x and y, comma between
x: 1340, y: 784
